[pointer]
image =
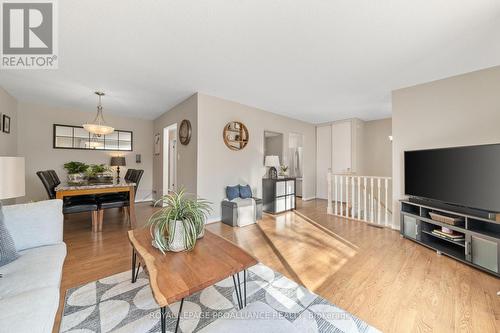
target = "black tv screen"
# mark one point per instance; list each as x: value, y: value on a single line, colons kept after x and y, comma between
x: 464, y: 176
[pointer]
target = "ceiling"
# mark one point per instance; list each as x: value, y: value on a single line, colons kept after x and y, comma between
x: 307, y: 59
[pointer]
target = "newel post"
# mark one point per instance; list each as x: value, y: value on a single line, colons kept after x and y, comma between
x: 329, y: 209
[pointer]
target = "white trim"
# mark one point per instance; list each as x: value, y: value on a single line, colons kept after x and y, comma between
x: 144, y: 200
x: 166, y: 181
x: 213, y: 219
x: 309, y: 198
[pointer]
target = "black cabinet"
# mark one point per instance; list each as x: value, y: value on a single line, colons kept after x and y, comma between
x: 278, y: 195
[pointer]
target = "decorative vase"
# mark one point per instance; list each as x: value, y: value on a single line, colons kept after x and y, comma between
x: 76, y: 178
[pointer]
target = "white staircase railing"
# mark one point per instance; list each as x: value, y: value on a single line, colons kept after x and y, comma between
x: 364, y: 198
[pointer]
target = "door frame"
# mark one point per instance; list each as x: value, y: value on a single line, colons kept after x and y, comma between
x: 166, y: 158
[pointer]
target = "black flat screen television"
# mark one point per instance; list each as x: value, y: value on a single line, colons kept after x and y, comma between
x: 463, y: 176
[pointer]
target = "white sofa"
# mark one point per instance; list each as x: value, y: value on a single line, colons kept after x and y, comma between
x: 29, y: 288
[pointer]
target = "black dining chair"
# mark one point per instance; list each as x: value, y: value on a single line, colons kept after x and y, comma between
x: 121, y: 200
x: 57, y: 181
x: 72, y: 205
x: 128, y: 173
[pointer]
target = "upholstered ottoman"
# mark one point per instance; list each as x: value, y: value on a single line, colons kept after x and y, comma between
x: 230, y: 211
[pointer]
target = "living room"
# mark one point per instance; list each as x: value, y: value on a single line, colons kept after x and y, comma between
x: 213, y: 167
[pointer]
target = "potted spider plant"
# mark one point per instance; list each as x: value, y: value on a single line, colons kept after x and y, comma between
x: 76, y: 171
x: 180, y: 222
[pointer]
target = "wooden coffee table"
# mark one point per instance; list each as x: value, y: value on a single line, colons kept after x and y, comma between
x: 176, y: 275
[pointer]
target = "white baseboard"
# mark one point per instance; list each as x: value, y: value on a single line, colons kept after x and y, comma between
x: 143, y: 200
x: 213, y: 219
x: 308, y: 199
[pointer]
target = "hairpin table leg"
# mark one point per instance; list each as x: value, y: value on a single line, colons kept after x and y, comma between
x: 237, y: 293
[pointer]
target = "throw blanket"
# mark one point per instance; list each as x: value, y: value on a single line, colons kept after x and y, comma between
x: 246, y: 211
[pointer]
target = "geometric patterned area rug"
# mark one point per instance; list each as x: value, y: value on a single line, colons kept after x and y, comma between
x: 114, y: 304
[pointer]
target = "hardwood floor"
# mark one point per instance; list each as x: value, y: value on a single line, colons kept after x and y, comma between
x: 392, y: 283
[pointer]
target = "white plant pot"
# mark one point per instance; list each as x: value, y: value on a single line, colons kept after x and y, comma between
x: 76, y: 178
x: 177, y: 243
x: 202, y: 233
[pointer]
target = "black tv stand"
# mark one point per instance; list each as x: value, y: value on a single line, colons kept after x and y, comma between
x: 480, y: 246
x: 459, y: 209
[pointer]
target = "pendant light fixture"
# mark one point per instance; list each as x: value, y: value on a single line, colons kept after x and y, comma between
x: 98, y: 126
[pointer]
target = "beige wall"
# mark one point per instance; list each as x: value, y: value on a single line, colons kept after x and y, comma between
x: 186, y: 155
x: 8, y: 142
x: 458, y: 111
x: 219, y: 166
x: 35, y: 126
x: 377, y: 148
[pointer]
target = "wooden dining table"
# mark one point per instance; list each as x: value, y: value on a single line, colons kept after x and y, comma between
x: 64, y: 190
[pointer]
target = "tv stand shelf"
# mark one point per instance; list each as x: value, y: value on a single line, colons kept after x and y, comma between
x: 480, y: 249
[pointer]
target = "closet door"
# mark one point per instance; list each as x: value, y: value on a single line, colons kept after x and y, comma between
x: 323, y: 159
x: 342, y: 147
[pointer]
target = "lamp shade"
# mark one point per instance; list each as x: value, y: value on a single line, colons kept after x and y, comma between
x: 12, y: 183
x: 272, y: 161
x: 118, y: 161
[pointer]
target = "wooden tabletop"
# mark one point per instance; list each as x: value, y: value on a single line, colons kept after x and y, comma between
x: 176, y: 275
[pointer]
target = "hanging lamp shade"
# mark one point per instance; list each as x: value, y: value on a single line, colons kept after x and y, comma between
x: 98, y: 126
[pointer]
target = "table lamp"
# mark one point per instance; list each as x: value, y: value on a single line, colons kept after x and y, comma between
x: 12, y: 184
x: 118, y: 161
x: 273, y: 162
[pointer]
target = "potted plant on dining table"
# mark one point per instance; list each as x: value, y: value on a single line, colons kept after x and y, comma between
x: 99, y: 173
x: 177, y: 226
x: 76, y: 171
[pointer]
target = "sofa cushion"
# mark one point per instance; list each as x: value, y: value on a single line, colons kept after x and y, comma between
x: 35, y: 268
x: 232, y: 192
x: 8, y: 252
x: 256, y: 317
x: 29, y: 312
x: 35, y: 223
x: 245, y: 191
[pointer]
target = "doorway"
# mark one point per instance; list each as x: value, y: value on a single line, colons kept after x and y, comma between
x: 295, y: 157
x: 169, y: 159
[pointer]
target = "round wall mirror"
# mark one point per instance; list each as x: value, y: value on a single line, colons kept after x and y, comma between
x: 235, y: 135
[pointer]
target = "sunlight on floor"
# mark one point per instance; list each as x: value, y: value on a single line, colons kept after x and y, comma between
x: 315, y: 254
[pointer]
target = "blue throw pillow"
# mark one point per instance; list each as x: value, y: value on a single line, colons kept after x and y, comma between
x: 245, y: 192
x: 232, y: 192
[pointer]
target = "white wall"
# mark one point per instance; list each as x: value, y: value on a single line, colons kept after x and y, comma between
x: 8, y: 142
x: 35, y: 131
x: 377, y: 148
x: 339, y: 147
x: 323, y: 159
x: 218, y: 166
x: 186, y: 154
x: 458, y: 111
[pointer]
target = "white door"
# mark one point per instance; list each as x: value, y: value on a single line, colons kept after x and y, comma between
x: 323, y: 159
x: 342, y: 147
